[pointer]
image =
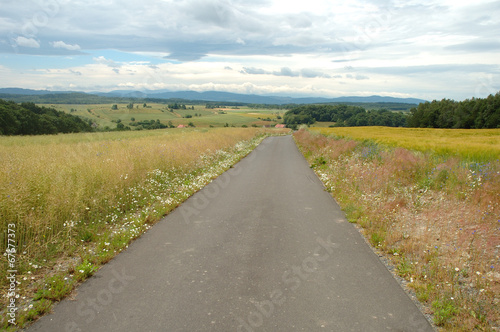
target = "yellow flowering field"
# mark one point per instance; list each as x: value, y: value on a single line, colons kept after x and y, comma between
x: 472, y: 144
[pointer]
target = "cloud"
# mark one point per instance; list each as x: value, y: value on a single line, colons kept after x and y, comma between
x: 384, y: 44
x: 476, y: 46
x: 254, y: 71
x: 311, y: 73
x: 285, y: 71
x: 361, y: 77
x: 107, y: 62
x: 185, y: 56
x: 61, y: 44
x: 27, y: 42
x: 211, y: 12
x: 435, y: 69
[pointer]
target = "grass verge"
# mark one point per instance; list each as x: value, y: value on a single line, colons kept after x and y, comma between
x: 435, y: 216
x: 70, y: 203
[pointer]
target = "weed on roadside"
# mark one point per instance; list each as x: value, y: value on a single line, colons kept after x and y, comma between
x: 436, y: 216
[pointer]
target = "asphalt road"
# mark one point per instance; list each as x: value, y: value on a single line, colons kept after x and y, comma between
x: 262, y: 248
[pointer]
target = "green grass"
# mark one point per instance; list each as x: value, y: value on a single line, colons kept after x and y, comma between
x: 104, y: 116
x: 444, y: 310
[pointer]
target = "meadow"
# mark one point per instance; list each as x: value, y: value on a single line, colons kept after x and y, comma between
x: 471, y: 144
x: 433, y: 212
x: 73, y: 201
x: 104, y: 115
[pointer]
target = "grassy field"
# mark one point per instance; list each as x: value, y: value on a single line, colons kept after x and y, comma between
x: 69, y: 203
x: 478, y: 145
x: 103, y: 115
x: 435, y: 215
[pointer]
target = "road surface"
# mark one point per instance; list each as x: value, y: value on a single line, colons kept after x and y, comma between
x: 262, y: 248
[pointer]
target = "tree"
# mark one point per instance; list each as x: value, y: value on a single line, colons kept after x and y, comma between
x: 467, y: 114
x: 29, y: 119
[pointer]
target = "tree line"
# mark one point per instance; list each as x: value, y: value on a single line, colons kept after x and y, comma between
x: 29, y: 119
x: 475, y: 113
x: 468, y: 114
x: 343, y: 115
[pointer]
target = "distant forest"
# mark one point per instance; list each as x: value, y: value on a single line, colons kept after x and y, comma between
x: 468, y: 114
x: 29, y: 119
x: 84, y: 99
x: 343, y: 116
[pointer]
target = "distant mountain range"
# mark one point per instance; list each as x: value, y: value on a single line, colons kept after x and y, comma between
x: 216, y: 96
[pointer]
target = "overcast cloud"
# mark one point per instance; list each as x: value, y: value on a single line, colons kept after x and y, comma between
x: 423, y: 49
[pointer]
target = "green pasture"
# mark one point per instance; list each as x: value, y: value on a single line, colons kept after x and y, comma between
x: 104, y: 115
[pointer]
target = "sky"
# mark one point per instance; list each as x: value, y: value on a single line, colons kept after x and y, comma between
x: 423, y: 49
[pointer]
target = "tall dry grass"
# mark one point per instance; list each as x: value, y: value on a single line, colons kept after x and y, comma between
x: 77, y: 200
x: 436, y: 217
x: 47, y: 182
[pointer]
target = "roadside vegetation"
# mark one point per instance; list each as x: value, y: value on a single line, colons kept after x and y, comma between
x: 435, y: 213
x: 77, y: 200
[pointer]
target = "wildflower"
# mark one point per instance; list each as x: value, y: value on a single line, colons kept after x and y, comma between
x: 478, y: 273
x: 457, y: 269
